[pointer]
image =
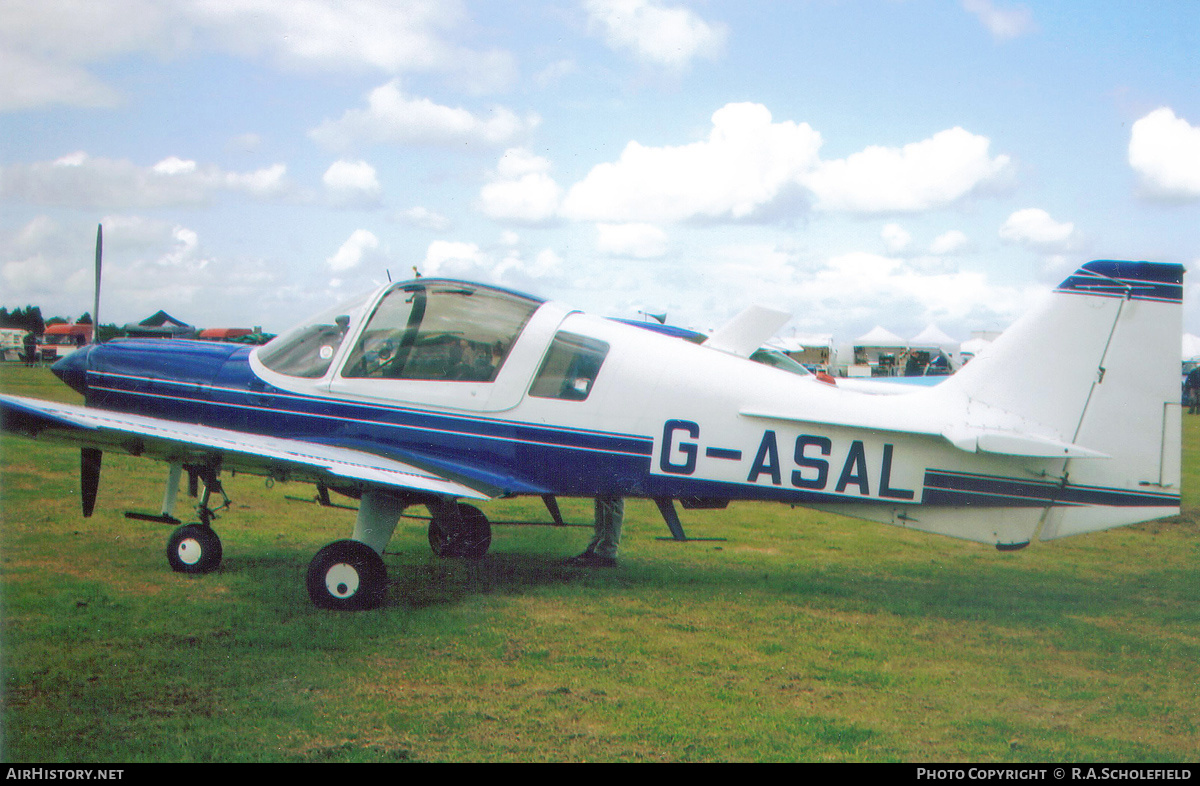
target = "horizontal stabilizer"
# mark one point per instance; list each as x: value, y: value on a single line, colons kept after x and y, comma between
x: 972, y: 439
x: 1013, y: 443
x: 748, y: 331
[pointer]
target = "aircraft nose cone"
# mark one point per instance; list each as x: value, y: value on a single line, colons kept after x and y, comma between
x: 73, y: 369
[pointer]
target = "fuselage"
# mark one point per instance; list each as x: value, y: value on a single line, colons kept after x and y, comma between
x: 521, y: 396
x: 627, y: 410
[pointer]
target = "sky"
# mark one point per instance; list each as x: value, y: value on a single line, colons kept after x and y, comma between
x: 853, y: 162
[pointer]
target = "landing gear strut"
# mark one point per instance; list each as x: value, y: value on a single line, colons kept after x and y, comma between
x: 349, y: 575
x: 196, y: 548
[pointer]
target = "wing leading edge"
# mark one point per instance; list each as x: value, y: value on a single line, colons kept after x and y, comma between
x: 285, y: 459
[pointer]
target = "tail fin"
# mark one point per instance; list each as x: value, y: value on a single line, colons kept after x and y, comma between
x: 1097, y: 366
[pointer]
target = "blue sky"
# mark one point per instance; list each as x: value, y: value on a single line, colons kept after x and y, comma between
x: 892, y: 162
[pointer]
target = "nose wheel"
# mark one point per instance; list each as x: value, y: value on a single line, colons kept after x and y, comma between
x: 347, y: 575
x: 194, y: 548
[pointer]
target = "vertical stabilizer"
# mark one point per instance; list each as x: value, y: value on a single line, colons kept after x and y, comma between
x: 1095, y: 365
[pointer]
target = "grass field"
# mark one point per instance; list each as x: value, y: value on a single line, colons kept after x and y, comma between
x: 802, y: 637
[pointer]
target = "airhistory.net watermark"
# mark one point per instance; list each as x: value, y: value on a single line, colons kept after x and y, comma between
x: 61, y: 774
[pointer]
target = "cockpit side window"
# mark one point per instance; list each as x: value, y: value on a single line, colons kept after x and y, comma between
x: 570, y: 367
x: 439, y: 331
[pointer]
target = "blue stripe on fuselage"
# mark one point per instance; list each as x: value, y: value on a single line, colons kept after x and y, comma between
x: 946, y: 487
x: 220, y: 390
x: 213, y: 385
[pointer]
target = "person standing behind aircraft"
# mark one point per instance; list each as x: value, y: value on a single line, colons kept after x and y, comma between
x: 1191, y: 389
x: 29, y: 344
x: 602, y: 551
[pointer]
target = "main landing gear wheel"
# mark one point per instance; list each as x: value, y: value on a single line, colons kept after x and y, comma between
x: 472, y: 539
x: 347, y: 575
x: 194, y: 548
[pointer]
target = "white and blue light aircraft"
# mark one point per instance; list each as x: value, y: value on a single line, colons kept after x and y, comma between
x: 437, y: 393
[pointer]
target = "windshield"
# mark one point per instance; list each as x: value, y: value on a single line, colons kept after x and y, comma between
x: 307, y: 350
x: 439, y: 331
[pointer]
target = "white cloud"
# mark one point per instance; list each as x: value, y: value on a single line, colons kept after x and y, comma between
x: 920, y: 176
x: 949, y: 243
x: 448, y: 257
x: 532, y: 199
x: 351, y: 176
x: 518, y: 162
x: 399, y: 36
x: 523, y: 191
x: 148, y: 264
x: 1002, y: 23
x: 34, y: 82
x: 671, y: 36
x: 519, y: 273
x: 168, y: 166
x: 895, y: 238
x: 1165, y: 152
x: 352, y: 183
x: 394, y: 118
x: 264, y: 183
x: 458, y: 259
x: 79, y: 180
x: 351, y: 253
x: 746, y: 163
x: 752, y: 168
x: 640, y: 241
x: 846, y: 293
x: 424, y: 218
x: 1033, y: 227
x: 47, y: 46
x: 855, y: 288
x: 37, y: 262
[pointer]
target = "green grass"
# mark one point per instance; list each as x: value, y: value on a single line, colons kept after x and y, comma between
x: 803, y: 637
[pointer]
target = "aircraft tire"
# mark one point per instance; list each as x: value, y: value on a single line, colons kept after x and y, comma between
x: 473, y: 540
x: 347, y: 575
x: 194, y: 548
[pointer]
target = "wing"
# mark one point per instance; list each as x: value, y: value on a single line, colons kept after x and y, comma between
x: 185, y: 443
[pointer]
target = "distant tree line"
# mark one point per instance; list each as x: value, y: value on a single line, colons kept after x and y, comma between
x: 28, y: 318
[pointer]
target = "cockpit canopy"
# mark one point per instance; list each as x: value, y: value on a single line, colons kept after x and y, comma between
x: 427, y: 330
x: 390, y: 344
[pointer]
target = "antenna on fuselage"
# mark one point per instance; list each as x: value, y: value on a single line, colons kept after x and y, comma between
x: 96, y: 301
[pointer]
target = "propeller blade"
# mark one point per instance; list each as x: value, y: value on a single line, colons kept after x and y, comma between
x: 96, y: 304
x: 89, y: 478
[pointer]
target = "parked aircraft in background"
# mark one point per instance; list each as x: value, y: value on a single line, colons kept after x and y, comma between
x: 437, y: 393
